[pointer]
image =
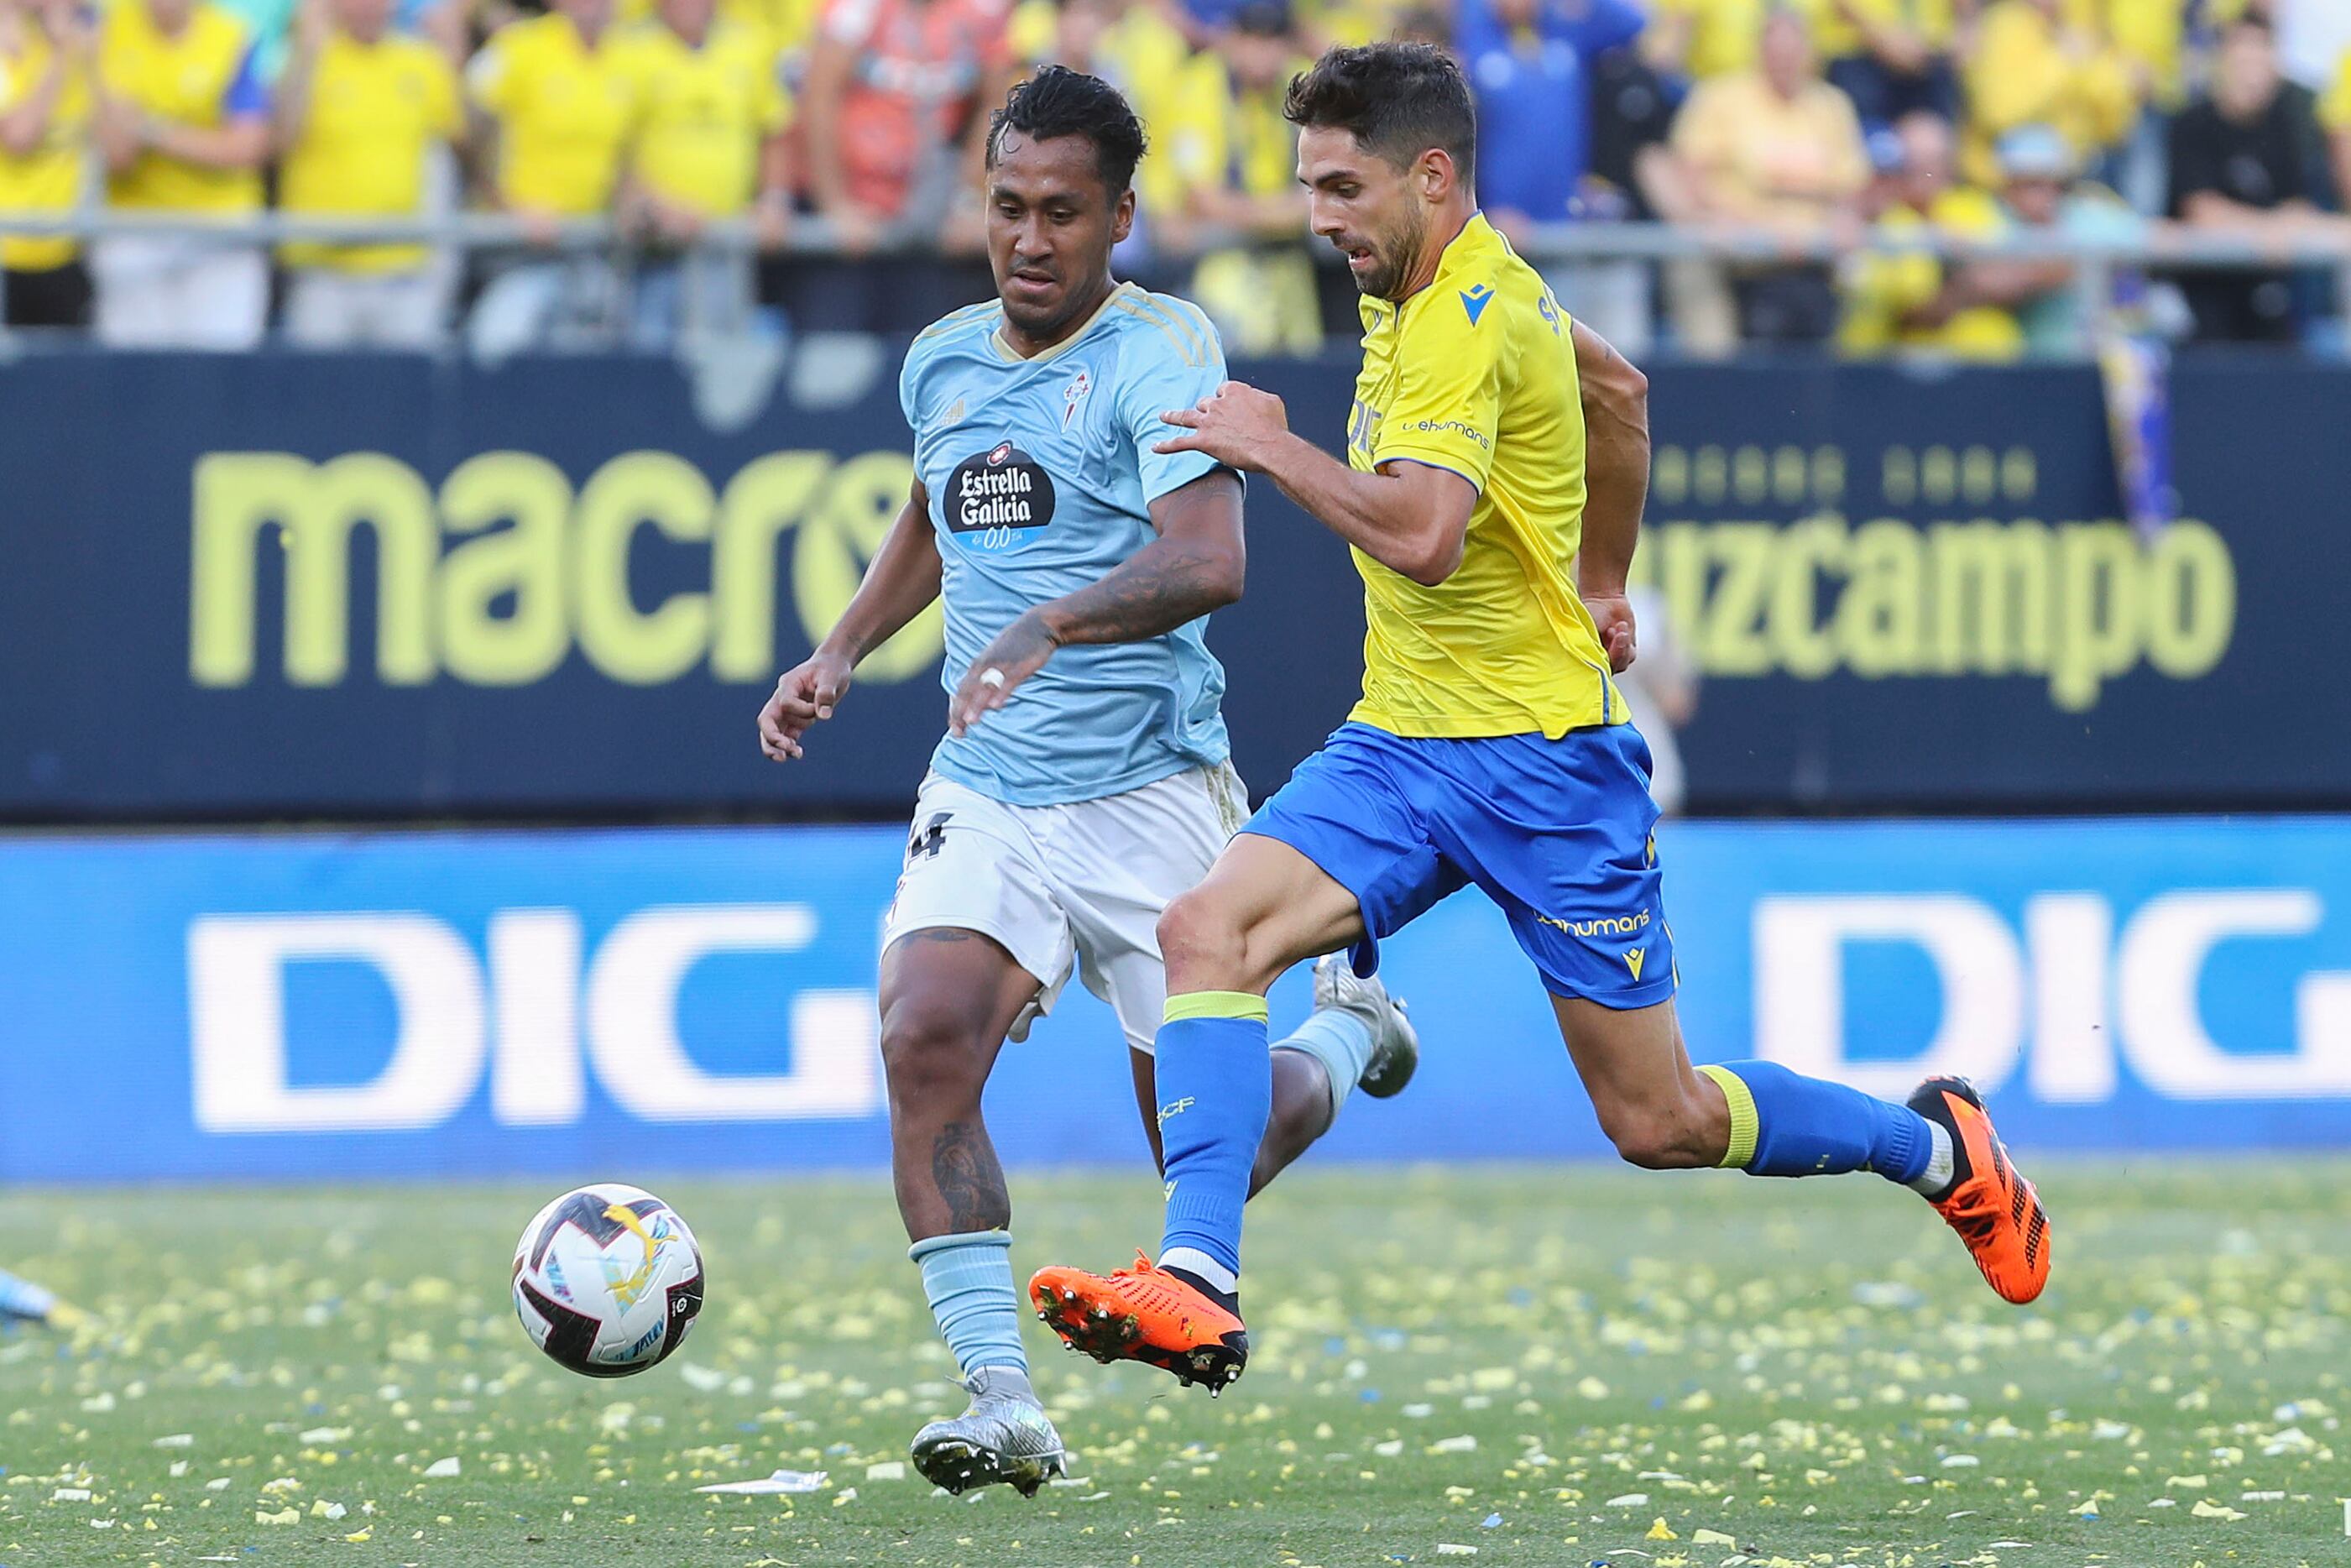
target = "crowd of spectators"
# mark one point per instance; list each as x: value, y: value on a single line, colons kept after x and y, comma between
x: 1839, y: 128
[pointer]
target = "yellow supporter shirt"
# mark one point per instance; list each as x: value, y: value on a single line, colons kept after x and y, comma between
x: 563, y: 112
x: 1834, y: 35
x: 1767, y: 157
x: 1880, y: 290
x: 48, y: 178
x: 1212, y: 134
x: 1475, y: 373
x: 1723, y: 33
x: 205, y: 76
x: 2023, y: 73
x: 2334, y: 108
x: 701, y: 115
x: 375, y: 109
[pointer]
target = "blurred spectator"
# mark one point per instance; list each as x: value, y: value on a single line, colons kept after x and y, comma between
x: 891, y: 86
x: 359, y: 111
x: 184, y: 124
x: 1702, y: 39
x: 1780, y: 146
x: 2037, y: 62
x: 560, y: 97
x: 1229, y: 159
x: 2040, y: 193
x: 1129, y: 43
x: 1891, y: 57
x: 2240, y: 166
x: 45, y: 106
x: 1423, y: 25
x: 709, y: 146
x: 1915, y: 301
x: 1531, y: 65
x: 2334, y: 116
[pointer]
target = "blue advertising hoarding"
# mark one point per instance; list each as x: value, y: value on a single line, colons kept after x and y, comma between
x: 252, y: 588
x: 315, y: 1006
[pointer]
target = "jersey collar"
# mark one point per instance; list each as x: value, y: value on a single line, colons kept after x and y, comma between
x: 1004, y: 351
x: 1476, y: 244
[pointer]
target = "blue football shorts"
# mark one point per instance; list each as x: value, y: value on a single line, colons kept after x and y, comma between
x: 1557, y: 833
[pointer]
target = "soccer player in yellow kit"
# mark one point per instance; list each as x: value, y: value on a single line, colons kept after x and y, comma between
x: 1496, y: 462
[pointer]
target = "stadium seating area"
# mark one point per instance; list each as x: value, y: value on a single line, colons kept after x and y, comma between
x: 1824, y: 124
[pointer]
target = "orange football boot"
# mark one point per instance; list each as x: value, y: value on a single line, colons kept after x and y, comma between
x: 1993, y: 1208
x: 1143, y: 1314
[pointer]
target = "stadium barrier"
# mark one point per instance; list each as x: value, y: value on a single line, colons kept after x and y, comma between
x: 250, y: 586
x: 630, y: 1001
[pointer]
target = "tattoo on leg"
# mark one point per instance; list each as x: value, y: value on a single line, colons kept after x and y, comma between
x: 963, y: 1164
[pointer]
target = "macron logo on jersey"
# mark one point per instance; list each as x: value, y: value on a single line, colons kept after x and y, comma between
x: 1475, y: 300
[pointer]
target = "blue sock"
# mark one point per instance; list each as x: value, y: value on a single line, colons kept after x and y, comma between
x: 968, y: 1278
x: 1342, y: 1043
x: 1785, y: 1124
x: 1215, y: 1095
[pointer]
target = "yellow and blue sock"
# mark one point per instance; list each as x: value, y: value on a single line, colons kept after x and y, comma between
x: 1785, y: 1124
x: 968, y: 1276
x: 1215, y: 1095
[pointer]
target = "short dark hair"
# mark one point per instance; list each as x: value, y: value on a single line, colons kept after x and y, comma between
x: 1059, y: 101
x: 1398, y: 99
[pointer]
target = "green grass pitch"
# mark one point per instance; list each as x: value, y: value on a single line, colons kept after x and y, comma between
x: 1549, y: 1365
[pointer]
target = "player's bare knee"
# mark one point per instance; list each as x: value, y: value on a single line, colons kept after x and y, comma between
x: 930, y: 1055
x: 1203, y: 944
x: 1654, y: 1137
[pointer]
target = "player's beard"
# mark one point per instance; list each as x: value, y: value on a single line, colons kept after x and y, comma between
x: 1396, y: 252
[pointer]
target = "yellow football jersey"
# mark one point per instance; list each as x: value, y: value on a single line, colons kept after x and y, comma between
x: 704, y: 114
x: 374, y: 109
x: 48, y: 178
x: 1476, y: 373
x: 203, y: 74
x: 563, y: 110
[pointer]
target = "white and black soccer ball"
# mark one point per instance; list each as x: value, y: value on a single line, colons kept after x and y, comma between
x: 607, y: 1280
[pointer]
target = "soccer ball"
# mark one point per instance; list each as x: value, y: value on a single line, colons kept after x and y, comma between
x: 607, y: 1280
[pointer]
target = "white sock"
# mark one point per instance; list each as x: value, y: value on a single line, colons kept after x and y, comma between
x: 1201, y: 1267
x: 1939, y: 1167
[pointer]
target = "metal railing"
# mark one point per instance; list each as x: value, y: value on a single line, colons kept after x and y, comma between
x: 2163, y: 245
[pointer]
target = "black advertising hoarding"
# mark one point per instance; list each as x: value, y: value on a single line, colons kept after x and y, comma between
x: 316, y: 586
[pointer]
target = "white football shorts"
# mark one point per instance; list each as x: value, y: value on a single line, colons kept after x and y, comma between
x: 1062, y: 887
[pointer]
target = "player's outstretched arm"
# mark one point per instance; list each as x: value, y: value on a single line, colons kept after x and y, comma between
x: 900, y: 582
x: 1195, y: 566
x: 1616, y: 485
x: 1411, y: 518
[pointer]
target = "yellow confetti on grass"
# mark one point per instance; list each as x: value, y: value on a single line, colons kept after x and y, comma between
x: 2207, y: 1509
x: 1661, y: 1531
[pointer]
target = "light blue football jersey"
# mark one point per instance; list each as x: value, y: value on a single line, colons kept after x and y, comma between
x: 1041, y: 476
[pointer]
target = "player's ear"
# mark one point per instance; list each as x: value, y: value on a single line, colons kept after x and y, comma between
x: 1121, y: 216
x: 1435, y: 175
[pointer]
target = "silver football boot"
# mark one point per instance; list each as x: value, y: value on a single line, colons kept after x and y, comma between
x: 1005, y: 1436
x: 1396, y: 1044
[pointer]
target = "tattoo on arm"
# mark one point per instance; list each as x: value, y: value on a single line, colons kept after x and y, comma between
x: 963, y: 1164
x: 1159, y: 588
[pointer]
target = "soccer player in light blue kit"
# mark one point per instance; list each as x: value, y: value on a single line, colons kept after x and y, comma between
x: 1083, y: 782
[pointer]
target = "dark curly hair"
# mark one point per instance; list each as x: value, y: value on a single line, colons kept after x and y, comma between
x: 1059, y: 101
x: 1397, y: 100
